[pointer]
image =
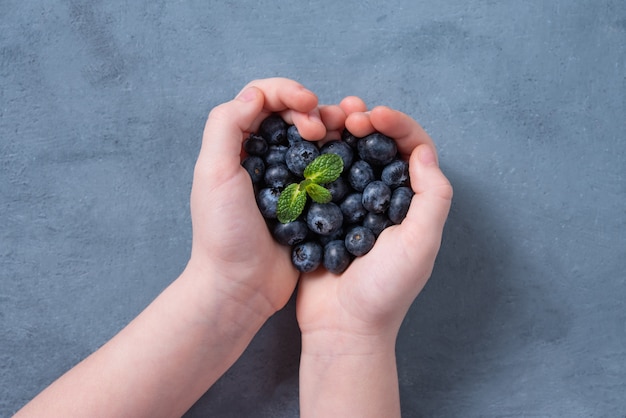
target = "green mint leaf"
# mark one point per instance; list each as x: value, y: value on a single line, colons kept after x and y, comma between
x: 318, y: 193
x: 324, y: 169
x: 304, y: 184
x: 291, y: 203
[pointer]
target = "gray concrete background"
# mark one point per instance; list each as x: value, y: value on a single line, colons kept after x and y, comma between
x: 102, y: 105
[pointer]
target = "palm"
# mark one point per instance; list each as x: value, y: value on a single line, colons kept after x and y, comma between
x: 378, y: 288
x: 368, y: 293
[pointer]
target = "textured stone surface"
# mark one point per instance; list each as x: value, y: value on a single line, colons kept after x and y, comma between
x: 101, y: 110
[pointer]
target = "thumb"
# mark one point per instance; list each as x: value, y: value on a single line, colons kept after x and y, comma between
x: 226, y: 124
x: 430, y: 205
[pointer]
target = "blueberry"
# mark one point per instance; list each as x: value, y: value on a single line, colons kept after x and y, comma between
x: 275, y: 154
x: 255, y: 145
x: 395, y: 174
x: 360, y: 175
x: 324, y: 218
x: 277, y: 175
x: 352, y: 208
x: 349, y: 139
x: 399, y: 205
x: 274, y: 130
x: 368, y: 197
x: 341, y: 149
x: 255, y: 166
x: 338, y: 189
x: 307, y: 256
x: 267, y: 200
x: 359, y: 240
x: 376, y: 197
x: 325, y: 239
x: 377, y: 149
x: 377, y: 222
x: 293, y: 136
x: 299, y: 155
x: 290, y: 233
x: 336, y: 257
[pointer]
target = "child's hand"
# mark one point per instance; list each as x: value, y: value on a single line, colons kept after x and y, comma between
x: 236, y: 278
x: 349, y: 323
x: 373, y: 295
x: 230, y: 237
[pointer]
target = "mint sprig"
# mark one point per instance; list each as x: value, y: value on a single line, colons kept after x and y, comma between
x: 324, y: 169
x: 318, y: 193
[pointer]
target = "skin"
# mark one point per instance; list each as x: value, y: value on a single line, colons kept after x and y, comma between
x: 237, y: 277
x: 350, y: 323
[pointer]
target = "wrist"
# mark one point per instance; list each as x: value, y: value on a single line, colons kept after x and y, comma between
x: 343, y: 374
x: 339, y: 343
x: 219, y: 306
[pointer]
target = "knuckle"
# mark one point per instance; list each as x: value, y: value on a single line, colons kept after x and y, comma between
x: 445, y: 191
x: 219, y: 112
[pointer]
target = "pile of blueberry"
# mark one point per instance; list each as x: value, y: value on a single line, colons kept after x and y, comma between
x: 371, y: 194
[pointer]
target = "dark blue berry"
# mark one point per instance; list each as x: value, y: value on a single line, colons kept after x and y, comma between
x: 274, y: 130
x: 352, y: 208
x: 369, y: 196
x: 349, y: 139
x: 377, y: 149
x: 395, y: 174
x: 399, y: 205
x: 325, y: 239
x: 324, y: 218
x: 307, y: 256
x: 336, y: 257
x: 255, y: 166
x: 376, y: 197
x: 299, y: 155
x: 338, y: 189
x: 360, y: 175
x: 267, y: 200
x: 290, y: 233
x: 278, y: 175
x: 275, y: 154
x: 359, y: 240
x: 293, y: 136
x: 255, y: 145
x: 341, y: 149
x: 377, y: 222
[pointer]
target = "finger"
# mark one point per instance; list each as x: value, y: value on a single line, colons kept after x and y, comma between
x: 430, y: 205
x: 333, y: 117
x: 225, y: 127
x: 282, y: 94
x: 352, y: 104
x: 228, y: 123
x: 401, y: 127
x: 320, y: 124
x: 334, y: 120
x: 359, y: 124
x: 407, y: 133
x: 310, y: 125
x: 286, y: 96
x: 357, y: 118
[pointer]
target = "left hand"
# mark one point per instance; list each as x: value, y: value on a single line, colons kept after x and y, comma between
x: 373, y: 295
x: 230, y: 238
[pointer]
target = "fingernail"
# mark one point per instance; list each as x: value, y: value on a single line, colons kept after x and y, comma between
x: 247, y: 95
x: 427, y: 156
